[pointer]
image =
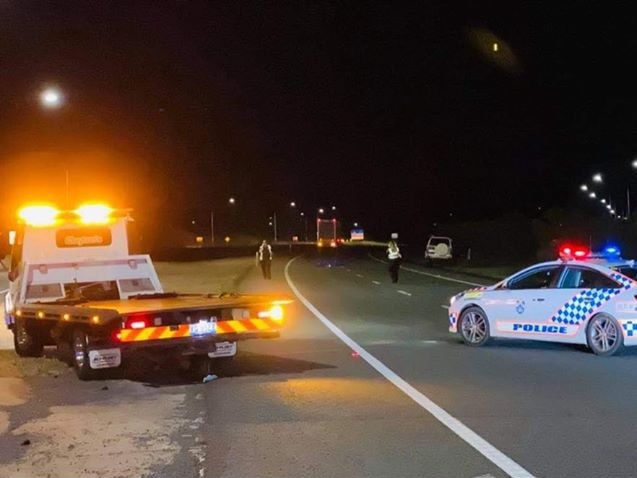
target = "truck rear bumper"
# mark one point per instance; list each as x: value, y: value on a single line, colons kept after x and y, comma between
x: 192, y: 345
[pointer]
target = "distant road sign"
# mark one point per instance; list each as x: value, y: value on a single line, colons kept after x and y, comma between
x: 357, y: 235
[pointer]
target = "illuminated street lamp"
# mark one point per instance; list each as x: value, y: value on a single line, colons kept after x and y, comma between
x: 603, y: 201
x: 634, y: 163
x: 51, y: 98
x: 592, y: 195
x: 321, y: 210
x: 597, y: 178
x: 231, y: 202
x: 292, y: 204
x: 583, y: 187
x: 333, y: 208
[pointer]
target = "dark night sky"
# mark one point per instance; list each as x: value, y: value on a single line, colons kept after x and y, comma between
x: 390, y: 111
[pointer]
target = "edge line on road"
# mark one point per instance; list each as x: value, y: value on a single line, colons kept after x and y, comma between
x: 436, y: 276
x: 474, y: 440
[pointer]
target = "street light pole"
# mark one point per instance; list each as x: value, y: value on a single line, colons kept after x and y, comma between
x: 274, y: 223
x: 212, y: 227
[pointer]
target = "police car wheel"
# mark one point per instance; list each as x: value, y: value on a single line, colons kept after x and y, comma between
x: 25, y: 342
x: 474, y: 327
x: 81, y: 363
x: 604, y: 335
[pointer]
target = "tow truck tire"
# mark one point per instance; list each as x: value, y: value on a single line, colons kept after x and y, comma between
x: 604, y: 335
x: 79, y: 350
x: 473, y: 326
x: 199, y: 367
x: 25, y: 343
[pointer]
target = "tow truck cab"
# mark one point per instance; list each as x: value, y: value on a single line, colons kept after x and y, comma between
x: 73, y: 254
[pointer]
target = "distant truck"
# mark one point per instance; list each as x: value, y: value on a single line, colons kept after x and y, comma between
x: 327, y: 233
x: 73, y: 282
x: 438, y: 248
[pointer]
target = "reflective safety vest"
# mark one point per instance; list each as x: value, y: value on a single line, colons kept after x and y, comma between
x: 262, y: 250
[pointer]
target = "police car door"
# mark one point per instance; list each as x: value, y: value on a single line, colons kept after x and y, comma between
x: 526, y: 301
x: 586, y: 290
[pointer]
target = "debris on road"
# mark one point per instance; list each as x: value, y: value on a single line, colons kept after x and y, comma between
x: 209, y: 378
x: 25, y: 442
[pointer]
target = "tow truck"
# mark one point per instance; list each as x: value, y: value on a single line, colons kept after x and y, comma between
x: 73, y: 283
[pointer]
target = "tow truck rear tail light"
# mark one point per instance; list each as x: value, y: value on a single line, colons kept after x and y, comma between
x: 136, y: 322
x: 275, y: 313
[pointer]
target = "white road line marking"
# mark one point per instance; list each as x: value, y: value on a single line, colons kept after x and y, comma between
x: 404, y: 292
x: 445, y: 307
x: 375, y: 282
x: 436, y: 276
x: 494, y: 455
x: 360, y: 275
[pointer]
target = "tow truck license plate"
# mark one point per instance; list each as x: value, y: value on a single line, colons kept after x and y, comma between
x: 224, y: 349
x: 105, y: 358
x: 203, y: 328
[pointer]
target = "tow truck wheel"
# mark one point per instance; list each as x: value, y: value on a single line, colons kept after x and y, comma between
x: 604, y: 335
x: 474, y: 327
x: 25, y: 343
x: 81, y: 363
x: 199, y: 367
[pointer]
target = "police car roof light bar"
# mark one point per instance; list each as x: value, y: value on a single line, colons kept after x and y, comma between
x: 568, y: 252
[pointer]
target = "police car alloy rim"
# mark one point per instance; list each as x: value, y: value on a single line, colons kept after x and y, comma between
x: 474, y: 327
x: 604, y: 334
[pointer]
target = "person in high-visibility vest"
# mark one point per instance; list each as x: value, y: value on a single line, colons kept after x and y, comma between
x: 264, y: 259
x: 393, y: 254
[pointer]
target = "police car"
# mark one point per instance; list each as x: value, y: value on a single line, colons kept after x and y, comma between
x: 576, y: 299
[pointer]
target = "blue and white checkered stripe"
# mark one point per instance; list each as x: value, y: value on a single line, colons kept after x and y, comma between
x: 630, y: 326
x: 582, y: 306
x: 625, y: 282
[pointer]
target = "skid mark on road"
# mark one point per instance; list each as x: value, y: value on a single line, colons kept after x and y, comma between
x: 490, y: 452
x: 435, y: 276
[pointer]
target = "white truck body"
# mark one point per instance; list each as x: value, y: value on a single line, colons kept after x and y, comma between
x: 73, y: 281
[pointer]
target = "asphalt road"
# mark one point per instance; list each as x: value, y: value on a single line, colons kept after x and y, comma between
x: 309, y: 405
